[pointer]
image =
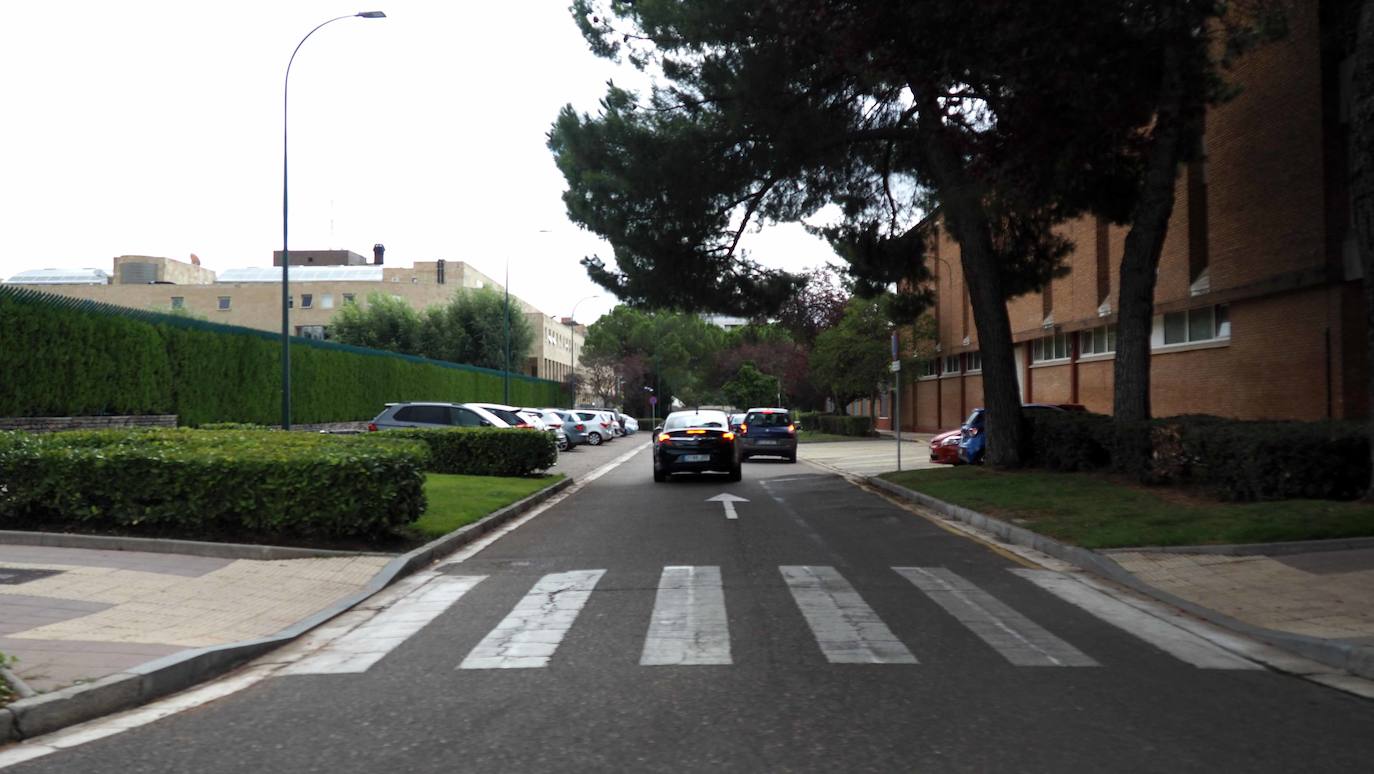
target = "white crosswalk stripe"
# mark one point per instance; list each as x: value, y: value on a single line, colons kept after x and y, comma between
x: 364, y: 646
x: 528, y: 637
x: 689, y: 624
x: 1179, y: 643
x: 845, y: 627
x: 1019, y: 640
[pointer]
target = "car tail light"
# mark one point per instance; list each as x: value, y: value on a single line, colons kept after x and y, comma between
x: 727, y: 436
x: 744, y: 429
x: 372, y: 427
x: 664, y: 438
x: 791, y: 429
x: 581, y: 427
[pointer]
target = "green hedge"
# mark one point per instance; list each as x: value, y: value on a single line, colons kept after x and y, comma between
x: 210, y: 483
x: 1237, y: 460
x: 65, y: 357
x: 839, y: 424
x: 482, y: 451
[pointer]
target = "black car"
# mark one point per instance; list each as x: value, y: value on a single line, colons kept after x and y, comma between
x: 695, y: 441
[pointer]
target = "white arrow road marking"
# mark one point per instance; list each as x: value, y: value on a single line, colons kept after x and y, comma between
x: 728, y: 500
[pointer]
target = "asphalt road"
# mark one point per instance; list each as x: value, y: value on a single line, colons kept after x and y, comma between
x: 634, y: 627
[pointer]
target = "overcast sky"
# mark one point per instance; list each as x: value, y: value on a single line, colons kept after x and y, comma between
x: 155, y: 128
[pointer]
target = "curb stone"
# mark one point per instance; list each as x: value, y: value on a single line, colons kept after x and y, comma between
x: 1356, y: 659
x: 43, y: 714
x: 164, y: 546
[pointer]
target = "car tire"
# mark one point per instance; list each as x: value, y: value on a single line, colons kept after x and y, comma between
x: 594, y: 439
x: 563, y: 446
x: 792, y: 457
x: 659, y: 476
x: 736, y: 473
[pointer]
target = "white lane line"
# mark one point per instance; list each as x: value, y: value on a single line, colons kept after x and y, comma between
x: 845, y: 627
x: 528, y: 637
x: 476, y: 546
x: 364, y: 646
x: 689, y: 624
x: 1177, y: 642
x: 1019, y: 640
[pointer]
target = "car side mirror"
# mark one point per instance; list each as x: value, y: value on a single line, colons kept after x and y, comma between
x: 658, y: 429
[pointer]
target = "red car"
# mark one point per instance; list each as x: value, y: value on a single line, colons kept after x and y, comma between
x: 944, y: 448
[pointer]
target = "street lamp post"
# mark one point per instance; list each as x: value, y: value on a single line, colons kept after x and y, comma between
x: 572, y: 342
x: 285, y: 250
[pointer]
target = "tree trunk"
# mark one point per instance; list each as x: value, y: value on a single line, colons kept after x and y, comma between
x: 1362, y: 188
x: 963, y: 209
x: 1177, y: 125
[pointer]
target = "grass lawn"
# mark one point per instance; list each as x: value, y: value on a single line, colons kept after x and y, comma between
x: 816, y: 436
x: 1096, y: 511
x: 455, y: 501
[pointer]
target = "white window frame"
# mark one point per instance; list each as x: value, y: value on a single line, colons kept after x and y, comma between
x: 927, y: 369
x: 224, y: 303
x: 307, y: 300
x: 975, y: 361
x: 326, y: 300
x: 945, y: 370
x: 1087, y: 342
x: 1220, y: 320
x: 1052, y: 341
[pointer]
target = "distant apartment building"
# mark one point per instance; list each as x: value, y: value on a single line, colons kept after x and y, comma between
x: 320, y: 281
x: 1258, y: 312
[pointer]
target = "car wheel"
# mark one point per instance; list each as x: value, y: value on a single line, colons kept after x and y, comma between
x: 792, y: 457
x: 659, y: 476
x: 563, y: 446
x: 736, y: 473
x: 594, y: 439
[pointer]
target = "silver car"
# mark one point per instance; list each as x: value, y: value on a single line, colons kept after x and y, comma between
x: 434, y: 414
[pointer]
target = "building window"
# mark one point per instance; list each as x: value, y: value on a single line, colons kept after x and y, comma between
x: 224, y: 303
x: 975, y: 361
x: 178, y: 302
x: 348, y: 298
x: 1050, y: 348
x: 311, y: 331
x: 326, y: 300
x: 1097, y: 341
x: 926, y: 368
x: 307, y: 300
x: 1208, y: 323
x: 951, y: 364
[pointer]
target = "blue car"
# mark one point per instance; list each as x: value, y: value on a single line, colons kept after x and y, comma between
x: 973, y: 440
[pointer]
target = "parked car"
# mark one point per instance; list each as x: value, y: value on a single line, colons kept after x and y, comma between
x: 630, y: 424
x: 696, y: 441
x: 768, y: 431
x: 973, y: 440
x: 944, y: 448
x: 735, y: 421
x: 574, y: 427
x: 511, y: 415
x: 428, y: 414
x: 616, y: 428
x: 598, y: 427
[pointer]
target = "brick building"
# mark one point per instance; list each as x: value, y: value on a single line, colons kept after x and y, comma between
x: 1258, y: 311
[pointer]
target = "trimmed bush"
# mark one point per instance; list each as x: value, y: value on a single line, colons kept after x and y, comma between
x: 197, y: 483
x: 1068, y: 441
x: 839, y: 424
x: 481, y: 451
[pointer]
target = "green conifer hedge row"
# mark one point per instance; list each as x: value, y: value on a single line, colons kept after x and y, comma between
x: 67, y: 357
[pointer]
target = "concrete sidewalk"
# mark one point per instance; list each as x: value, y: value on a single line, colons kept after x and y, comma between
x: 1314, y: 598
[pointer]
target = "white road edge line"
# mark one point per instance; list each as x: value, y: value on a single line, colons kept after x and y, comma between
x: 271, y: 664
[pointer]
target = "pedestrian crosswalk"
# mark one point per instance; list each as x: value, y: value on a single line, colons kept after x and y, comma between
x: 689, y: 624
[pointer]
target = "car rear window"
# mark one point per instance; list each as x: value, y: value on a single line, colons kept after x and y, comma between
x: 510, y: 417
x: 680, y: 421
x: 768, y: 419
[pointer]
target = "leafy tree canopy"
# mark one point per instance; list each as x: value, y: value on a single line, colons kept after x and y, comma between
x: 469, y: 328
x: 751, y: 387
x: 850, y: 360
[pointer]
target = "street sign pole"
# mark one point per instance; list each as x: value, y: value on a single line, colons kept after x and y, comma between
x: 897, y: 399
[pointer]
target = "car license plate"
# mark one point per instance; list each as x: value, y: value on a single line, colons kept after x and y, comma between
x: 768, y: 443
x: 696, y: 458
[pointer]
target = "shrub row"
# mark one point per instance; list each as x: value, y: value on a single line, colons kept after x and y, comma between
x: 64, y: 357
x: 1239, y: 460
x: 210, y: 483
x: 482, y: 451
x: 842, y: 425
